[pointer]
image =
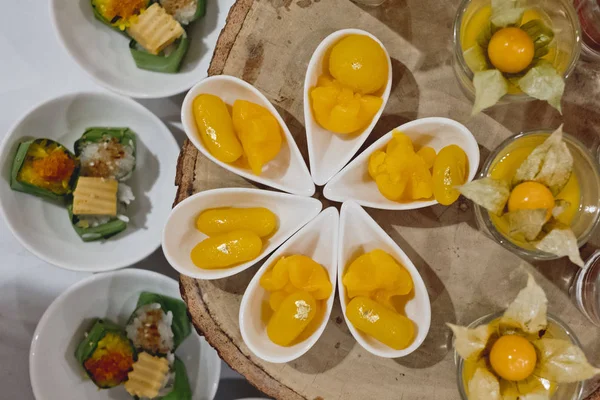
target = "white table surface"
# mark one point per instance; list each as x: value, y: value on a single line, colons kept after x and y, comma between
x: 34, y: 67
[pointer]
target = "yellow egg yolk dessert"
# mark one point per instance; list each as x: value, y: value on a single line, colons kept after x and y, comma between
x: 215, y: 126
x: 403, y: 175
x: 360, y: 63
x: 450, y: 170
x: 378, y: 287
x: 258, y: 131
x: 531, y: 196
x: 513, y: 357
x: 227, y: 249
x: 250, y: 136
x: 299, y: 288
x: 390, y: 328
x: 511, y: 50
x: 216, y: 221
x: 340, y: 110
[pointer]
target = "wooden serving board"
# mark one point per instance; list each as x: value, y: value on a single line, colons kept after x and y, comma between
x: 269, y: 43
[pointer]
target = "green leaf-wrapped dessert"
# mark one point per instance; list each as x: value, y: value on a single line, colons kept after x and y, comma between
x: 106, y: 354
x: 44, y: 168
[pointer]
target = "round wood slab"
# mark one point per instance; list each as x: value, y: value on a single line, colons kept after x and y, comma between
x: 269, y: 43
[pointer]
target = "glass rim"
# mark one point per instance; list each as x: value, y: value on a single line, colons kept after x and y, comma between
x: 458, y: 51
x: 459, y: 362
x: 482, y: 215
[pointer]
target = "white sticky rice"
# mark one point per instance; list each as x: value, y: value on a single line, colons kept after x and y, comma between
x: 182, y: 10
x: 151, y: 330
x: 107, y: 159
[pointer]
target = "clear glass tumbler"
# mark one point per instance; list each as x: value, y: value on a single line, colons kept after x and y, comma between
x: 585, y: 167
x: 589, y: 18
x: 561, y: 16
x: 585, y: 290
x: 557, y: 329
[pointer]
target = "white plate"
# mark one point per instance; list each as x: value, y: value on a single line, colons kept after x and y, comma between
x: 329, y: 152
x: 317, y: 240
x: 180, y: 234
x: 104, y: 53
x: 359, y: 234
x: 44, y: 228
x: 53, y: 369
x: 354, y: 183
x: 287, y: 171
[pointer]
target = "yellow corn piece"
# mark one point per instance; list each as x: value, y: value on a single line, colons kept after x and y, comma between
x: 147, y: 377
x: 155, y: 29
x: 95, y: 196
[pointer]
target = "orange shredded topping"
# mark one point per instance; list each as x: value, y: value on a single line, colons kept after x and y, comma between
x: 111, y: 369
x: 111, y: 361
x: 57, y: 166
x: 123, y: 8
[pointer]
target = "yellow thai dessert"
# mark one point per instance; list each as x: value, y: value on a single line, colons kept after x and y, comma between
x: 348, y: 94
x: 215, y: 221
x: 235, y: 235
x: 249, y: 135
x: 299, y: 288
x: 519, y: 355
x: 377, y: 287
x: 403, y: 174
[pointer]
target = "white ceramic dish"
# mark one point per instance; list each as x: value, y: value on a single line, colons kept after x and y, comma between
x: 359, y: 234
x: 44, y: 227
x: 328, y: 152
x: 53, y: 369
x: 354, y: 183
x: 180, y: 233
x: 317, y: 240
x: 287, y: 172
x: 104, y: 53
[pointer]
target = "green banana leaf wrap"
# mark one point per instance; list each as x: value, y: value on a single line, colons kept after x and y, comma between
x: 200, y: 10
x: 21, y: 158
x: 108, y: 367
x: 181, y: 325
x: 103, y: 231
x: 124, y: 136
x: 160, y: 63
x: 181, y: 387
x: 114, y: 22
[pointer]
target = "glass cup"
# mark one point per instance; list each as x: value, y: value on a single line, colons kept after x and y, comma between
x: 563, y: 20
x: 585, y: 290
x: 589, y: 18
x: 557, y: 329
x: 585, y: 221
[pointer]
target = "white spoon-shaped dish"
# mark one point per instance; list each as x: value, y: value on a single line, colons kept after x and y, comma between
x: 317, y: 240
x: 328, y: 152
x: 359, y: 234
x: 180, y: 234
x: 287, y: 172
x: 354, y: 183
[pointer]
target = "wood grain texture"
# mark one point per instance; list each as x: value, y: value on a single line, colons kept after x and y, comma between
x: 269, y: 44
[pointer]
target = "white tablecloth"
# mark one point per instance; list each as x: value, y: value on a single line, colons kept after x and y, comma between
x: 34, y: 67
